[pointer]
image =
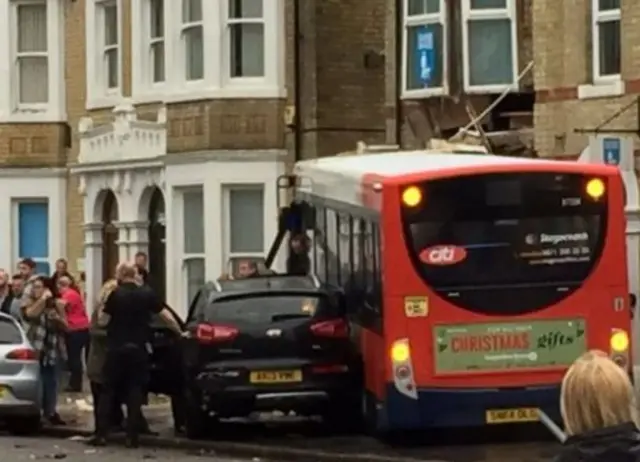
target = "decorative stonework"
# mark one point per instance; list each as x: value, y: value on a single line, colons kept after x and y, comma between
x: 126, y: 139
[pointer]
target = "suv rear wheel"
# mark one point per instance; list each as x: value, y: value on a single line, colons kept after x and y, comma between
x: 197, y: 421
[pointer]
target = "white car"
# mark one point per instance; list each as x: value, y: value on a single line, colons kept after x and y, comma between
x: 20, y: 394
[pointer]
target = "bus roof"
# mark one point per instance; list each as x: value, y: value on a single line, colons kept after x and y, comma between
x: 395, y: 164
x: 340, y: 178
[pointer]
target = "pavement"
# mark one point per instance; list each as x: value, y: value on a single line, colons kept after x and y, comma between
x: 289, y: 438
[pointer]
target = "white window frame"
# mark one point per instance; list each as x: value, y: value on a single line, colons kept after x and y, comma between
x: 10, y: 109
x: 217, y: 83
x: 598, y: 17
x: 227, y: 188
x: 98, y: 95
x: 420, y: 20
x: 142, y: 84
x: 183, y: 27
x: 271, y: 43
x: 468, y: 15
x: 183, y: 256
x: 15, y: 219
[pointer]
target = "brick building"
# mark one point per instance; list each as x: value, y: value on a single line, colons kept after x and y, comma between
x: 180, y: 134
x: 587, y: 70
x: 163, y: 126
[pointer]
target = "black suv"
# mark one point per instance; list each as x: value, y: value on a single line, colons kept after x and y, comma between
x: 269, y: 343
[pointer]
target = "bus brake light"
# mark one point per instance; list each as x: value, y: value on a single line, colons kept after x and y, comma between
x: 619, y: 341
x: 595, y: 188
x: 412, y: 196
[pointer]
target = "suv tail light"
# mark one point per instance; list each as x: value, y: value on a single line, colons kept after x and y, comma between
x: 214, y: 333
x: 23, y: 354
x: 334, y: 328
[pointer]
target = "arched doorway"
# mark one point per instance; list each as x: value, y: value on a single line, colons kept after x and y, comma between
x: 110, y: 255
x: 157, y: 248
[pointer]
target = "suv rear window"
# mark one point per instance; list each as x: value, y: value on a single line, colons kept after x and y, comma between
x: 265, y: 308
x: 495, y: 231
x: 9, y: 332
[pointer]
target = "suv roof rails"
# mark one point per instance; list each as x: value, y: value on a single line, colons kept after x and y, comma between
x: 267, y: 281
x: 215, y: 285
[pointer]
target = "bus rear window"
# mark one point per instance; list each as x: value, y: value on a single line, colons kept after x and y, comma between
x: 505, y: 230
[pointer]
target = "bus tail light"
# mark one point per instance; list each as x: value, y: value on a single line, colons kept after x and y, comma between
x: 595, y: 188
x: 619, y: 341
x: 619, y: 347
x: 411, y: 196
x: 402, y: 368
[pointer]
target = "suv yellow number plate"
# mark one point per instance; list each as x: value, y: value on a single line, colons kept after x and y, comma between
x: 275, y: 376
x: 500, y: 416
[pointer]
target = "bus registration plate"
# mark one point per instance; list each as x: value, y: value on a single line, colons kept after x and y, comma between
x: 503, y: 416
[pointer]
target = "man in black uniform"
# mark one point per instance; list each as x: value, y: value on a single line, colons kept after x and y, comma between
x: 129, y: 309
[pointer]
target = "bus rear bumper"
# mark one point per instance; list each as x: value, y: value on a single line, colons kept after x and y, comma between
x: 437, y: 407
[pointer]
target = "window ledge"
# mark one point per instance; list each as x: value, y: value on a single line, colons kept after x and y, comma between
x: 103, y: 102
x: 49, y: 116
x: 178, y: 94
x: 601, y: 90
x: 424, y: 93
x: 490, y: 89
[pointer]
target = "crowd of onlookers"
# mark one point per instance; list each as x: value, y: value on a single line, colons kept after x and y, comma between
x: 52, y: 310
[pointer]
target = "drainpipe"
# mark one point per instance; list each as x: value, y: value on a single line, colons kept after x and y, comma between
x: 297, y: 83
x: 399, y: 24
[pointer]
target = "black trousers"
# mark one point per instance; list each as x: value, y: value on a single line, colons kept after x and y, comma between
x: 117, y: 416
x: 126, y: 371
x: 77, y: 342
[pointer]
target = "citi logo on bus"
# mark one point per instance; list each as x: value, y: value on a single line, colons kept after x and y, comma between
x: 443, y: 255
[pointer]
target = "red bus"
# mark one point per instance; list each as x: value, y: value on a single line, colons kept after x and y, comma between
x: 473, y: 281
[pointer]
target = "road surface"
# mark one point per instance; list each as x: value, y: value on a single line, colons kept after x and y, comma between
x: 39, y: 449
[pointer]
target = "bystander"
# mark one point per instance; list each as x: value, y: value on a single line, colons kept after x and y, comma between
x: 598, y: 406
x: 77, y: 335
x: 6, y: 294
x: 129, y: 308
x: 45, y: 320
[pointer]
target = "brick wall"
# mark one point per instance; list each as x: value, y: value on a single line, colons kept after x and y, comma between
x: 342, y: 98
x: 562, y: 43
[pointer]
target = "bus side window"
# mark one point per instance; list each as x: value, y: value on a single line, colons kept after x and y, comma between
x: 332, y: 247
x: 377, y: 245
x: 360, y: 281
x: 369, y: 265
x: 319, y: 238
x: 345, y: 249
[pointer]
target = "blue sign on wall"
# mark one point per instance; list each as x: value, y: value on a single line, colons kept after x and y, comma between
x: 426, y: 58
x: 611, y: 151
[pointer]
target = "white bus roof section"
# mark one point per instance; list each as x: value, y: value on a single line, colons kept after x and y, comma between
x: 340, y: 178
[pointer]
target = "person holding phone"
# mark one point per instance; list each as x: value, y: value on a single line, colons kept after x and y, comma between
x: 46, y: 324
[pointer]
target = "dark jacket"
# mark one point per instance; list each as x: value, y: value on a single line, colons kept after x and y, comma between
x: 614, y: 444
x: 97, y: 350
x: 5, y: 307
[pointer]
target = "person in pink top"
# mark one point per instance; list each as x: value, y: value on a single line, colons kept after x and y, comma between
x: 78, y: 331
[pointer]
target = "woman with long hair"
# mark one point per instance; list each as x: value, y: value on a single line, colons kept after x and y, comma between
x: 598, y: 406
x: 46, y: 325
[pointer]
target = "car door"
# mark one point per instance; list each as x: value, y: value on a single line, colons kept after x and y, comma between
x: 166, y: 356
